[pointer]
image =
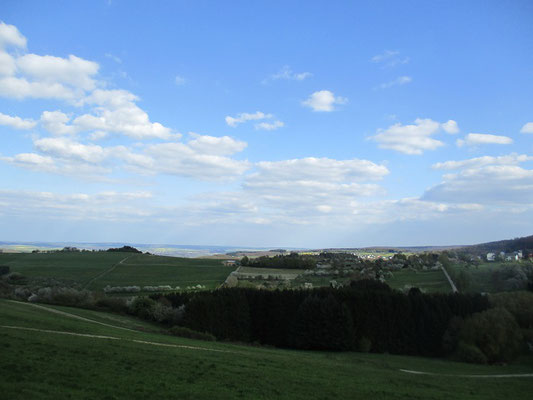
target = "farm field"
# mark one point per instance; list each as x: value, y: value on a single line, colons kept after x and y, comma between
x: 99, y: 269
x: 481, y: 275
x: 129, y: 364
x: 428, y: 281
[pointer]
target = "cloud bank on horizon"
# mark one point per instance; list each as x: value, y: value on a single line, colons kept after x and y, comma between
x: 96, y: 146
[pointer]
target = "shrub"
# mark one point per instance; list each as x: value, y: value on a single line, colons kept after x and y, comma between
x: 469, y: 353
x: 63, y: 296
x: 495, y: 332
x: 191, y: 334
x: 364, y: 345
x: 116, y: 304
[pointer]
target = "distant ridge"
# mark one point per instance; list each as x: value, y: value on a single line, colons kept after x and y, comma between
x: 509, y: 245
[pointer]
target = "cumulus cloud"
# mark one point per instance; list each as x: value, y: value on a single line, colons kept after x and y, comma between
x: 450, y: 127
x: 323, y: 101
x: 10, y: 36
x: 179, y: 80
x: 286, y: 73
x: 473, y: 139
x: 72, y: 71
x: 485, y: 180
x: 184, y: 160
x: 16, y: 122
x: 527, y: 128
x: 35, y: 76
x: 401, y: 80
x: 55, y: 122
x: 66, y: 148
x: 489, y: 184
x: 410, y: 139
x: 74, y: 80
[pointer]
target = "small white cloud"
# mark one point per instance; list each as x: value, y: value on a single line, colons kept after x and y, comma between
x: 390, y: 58
x: 473, y: 139
x: 243, y: 117
x: 323, y: 101
x: 527, y: 128
x: 286, y: 73
x: 450, y: 127
x: 401, y: 80
x: 410, y: 139
x: 179, y: 80
x: 269, y: 126
x: 16, y: 122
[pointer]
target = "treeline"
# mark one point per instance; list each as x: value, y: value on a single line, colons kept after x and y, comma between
x: 291, y: 261
x: 367, y: 316
x: 124, y: 249
x: 508, y: 246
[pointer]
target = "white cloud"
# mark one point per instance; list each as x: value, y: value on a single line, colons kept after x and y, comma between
x: 115, y: 111
x: 401, y: 80
x: 221, y: 146
x: 244, y: 117
x: 102, y: 206
x: 527, y: 128
x: 511, y: 159
x: 55, y: 122
x: 286, y: 73
x: 322, y: 170
x: 16, y: 122
x: 8, y: 66
x: 390, y: 58
x: 473, y: 139
x: 410, y: 139
x: 489, y: 184
x: 35, y: 76
x: 10, y: 36
x: 65, y: 148
x: 450, y: 127
x: 20, y: 88
x: 183, y: 160
x: 73, y: 71
x: 323, y: 100
x: 179, y: 80
x: 269, y: 126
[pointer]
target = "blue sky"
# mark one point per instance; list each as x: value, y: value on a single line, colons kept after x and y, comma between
x: 316, y: 124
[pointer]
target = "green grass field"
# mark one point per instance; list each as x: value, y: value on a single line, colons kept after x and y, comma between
x: 51, y: 365
x: 481, y: 275
x: 428, y: 281
x: 100, y: 269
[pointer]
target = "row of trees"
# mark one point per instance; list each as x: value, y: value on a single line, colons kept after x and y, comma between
x: 366, y: 316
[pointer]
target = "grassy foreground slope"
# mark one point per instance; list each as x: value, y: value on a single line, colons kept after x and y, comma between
x: 101, y: 268
x: 51, y: 365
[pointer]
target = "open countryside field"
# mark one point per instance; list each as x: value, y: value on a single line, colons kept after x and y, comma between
x: 429, y: 281
x: 101, y: 268
x: 481, y: 275
x: 129, y: 364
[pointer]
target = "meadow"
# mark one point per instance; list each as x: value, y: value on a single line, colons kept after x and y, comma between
x: 133, y: 364
x: 430, y: 281
x: 95, y: 270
